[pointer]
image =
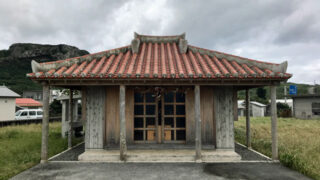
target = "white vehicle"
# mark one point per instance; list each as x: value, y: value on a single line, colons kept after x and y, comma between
x: 25, y: 114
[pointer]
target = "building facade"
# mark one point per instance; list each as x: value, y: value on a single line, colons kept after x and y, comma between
x: 256, y: 109
x: 33, y: 94
x: 7, y: 103
x: 161, y: 93
x: 306, y: 106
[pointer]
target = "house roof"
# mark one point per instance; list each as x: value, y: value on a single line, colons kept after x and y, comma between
x: 6, y: 92
x: 159, y: 57
x: 241, y: 104
x: 257, y: 103
x: 27, y: 102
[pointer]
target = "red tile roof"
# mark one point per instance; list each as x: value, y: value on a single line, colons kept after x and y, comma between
x: 27, y: 102
x: 159, y: 57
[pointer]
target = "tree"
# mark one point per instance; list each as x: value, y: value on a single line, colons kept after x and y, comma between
x: 261, y: 93
x: 55, y: 108
x: 283, y: 110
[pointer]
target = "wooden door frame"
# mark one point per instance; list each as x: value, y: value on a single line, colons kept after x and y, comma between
x: 160, y: 130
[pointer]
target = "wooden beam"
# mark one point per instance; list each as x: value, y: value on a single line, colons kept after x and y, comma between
x: 158, y: 82
x: 248, y: 133
x: 45, y: 123
x: 70, y: 118
x: 123, y: 143
x: 274, y: 123
x: 197, y: 111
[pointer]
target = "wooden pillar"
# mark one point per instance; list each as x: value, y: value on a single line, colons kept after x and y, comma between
x: 70, y: 118
x: 83, y: 106
x: 45, y: 123
x: 235, y: 104
x: 274, y: 123
x: 197, y: 111
x: 248, y: 118
x: 123, y: 143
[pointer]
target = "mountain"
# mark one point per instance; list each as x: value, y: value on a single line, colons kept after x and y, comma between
x: 15, y: 62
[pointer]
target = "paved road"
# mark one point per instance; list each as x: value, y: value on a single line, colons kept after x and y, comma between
x: 185, y: 171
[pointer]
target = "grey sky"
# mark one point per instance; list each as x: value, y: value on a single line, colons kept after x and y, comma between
x: 268, y: 30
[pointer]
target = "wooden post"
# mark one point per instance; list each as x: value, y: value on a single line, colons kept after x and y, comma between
x: 70, y: 118
x: 248, y: 118
x: 123, y: 144
x: 274, y: 123
x: 83, y: 105
x: 235, y: 104
x: 45, y: 123
x: 197, y: 121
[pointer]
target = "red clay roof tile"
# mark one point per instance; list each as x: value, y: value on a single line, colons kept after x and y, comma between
x: 161, y: 59
x: 27, y: 102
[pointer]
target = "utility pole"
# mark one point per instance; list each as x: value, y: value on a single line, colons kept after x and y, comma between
x: 285, y: 94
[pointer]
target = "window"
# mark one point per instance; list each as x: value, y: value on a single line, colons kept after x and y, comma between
x: 32, y: 113
x: 25, y: 113
x: 315, y: 108
x: 39, y: 112
x: 18, y: 113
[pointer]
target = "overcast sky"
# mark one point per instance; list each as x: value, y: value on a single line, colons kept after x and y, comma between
x: 268, y: 30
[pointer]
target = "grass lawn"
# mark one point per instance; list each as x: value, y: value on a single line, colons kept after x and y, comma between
x: 20, y: 147
x: 299, y: 142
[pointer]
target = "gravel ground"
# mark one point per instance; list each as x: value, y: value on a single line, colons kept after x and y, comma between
x: 72, y: 155
x: 247, y: 155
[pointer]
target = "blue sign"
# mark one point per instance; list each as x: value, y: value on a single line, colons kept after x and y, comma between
x: 293, y: 90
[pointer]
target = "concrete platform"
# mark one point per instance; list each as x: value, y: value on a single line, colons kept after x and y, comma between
x: 162, y: 155
x: 247, y: 155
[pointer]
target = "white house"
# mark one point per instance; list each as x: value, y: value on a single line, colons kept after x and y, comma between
x: 256, y: 109
x: 7, y: 103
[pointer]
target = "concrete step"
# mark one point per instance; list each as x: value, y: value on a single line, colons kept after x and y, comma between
x: 159, y: 156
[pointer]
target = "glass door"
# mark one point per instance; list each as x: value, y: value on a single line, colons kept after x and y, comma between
x: 145, y: 118
x: 173, y: 118
x: 161, y: 120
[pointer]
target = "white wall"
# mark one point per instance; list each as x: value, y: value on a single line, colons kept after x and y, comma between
x: 303, y: 107
x: 257, y: 111
x: 7, y: 108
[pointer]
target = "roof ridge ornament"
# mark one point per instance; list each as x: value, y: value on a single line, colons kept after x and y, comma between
x: 179, y: 39
x: 135, y: 44
x: 183, y: 46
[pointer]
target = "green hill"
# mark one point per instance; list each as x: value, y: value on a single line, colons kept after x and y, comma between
x: 15, y: 62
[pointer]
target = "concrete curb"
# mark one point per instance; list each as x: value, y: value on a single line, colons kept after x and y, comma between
x: 250, y: 149
x: 141, y: 162
x: 64, y: 152
x: 269, y: 160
